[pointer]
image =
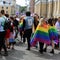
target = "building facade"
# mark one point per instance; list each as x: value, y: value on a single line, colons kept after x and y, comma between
x: 9, y: 6
x: 32, y: 3
x: 17, y: 11
x: 27, y: 4
x: 37, y: 7
x: 47, y: 8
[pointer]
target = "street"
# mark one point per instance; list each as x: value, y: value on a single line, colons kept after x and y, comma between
x: 36, y: 20
x: 20, y: 53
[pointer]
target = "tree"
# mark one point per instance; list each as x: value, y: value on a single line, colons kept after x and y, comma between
x: 22, y: 9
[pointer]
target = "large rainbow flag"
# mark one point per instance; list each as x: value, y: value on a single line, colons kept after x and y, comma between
x: 53, y: 34
x: 41, y: 34
x: 45, y: 34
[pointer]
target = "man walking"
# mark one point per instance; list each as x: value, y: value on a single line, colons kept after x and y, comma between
x: 27, y: 25
x: 2, y: 33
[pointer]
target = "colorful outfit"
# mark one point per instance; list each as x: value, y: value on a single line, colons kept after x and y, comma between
x: 45, y: 34
x: 41, y: 35
x: 53, y: 34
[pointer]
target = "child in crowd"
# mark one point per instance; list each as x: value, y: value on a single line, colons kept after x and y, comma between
x: 12, y: 34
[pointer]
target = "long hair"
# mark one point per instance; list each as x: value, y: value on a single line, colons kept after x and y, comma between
x: 50, y: 21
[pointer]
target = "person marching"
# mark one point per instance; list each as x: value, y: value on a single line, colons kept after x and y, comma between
x: 36, y: 22
x: 52, y: 34
x: 21, y: 28
x: 16, y: 23
x: 2, y: 33
x: 12, y: 33
x: 7, y: 27
x: 57, y: 25
x: 28, y: 24
x: 41, y: 35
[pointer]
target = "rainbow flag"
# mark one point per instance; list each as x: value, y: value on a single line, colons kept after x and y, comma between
x: 53, y: 34
x: 20, y: 25
x: 41, y: 34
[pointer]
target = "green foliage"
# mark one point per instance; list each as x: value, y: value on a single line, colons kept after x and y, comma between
x: 22, y: 9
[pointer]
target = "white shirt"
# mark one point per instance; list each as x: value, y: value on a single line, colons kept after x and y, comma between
x: 57, y: 25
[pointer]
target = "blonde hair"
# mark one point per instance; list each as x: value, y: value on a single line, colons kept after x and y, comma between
x: 40, y: 21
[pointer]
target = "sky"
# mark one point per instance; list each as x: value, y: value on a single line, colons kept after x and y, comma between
x: 21, y: 2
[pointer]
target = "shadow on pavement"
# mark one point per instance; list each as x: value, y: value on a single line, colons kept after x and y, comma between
x: 47, y: 56
x: 21, y: 44
x: 16, y: 55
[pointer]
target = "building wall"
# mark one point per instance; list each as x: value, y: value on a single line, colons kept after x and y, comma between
x: 37, y: 9
x: 10, y: 1
x: 51, y: 10
x: 9, y: 8
x: 12, y: 10
x: 43, y: 11
x: 40, y: 9
x: 17, y: 11
x: 32, y: 2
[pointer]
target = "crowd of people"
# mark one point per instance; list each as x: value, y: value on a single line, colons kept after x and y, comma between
x: 8, y: 32
x: 42, y: 31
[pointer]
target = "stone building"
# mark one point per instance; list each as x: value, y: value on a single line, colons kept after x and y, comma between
x: 47, y: 8
x: 32, y: 2
x: 8, y: 6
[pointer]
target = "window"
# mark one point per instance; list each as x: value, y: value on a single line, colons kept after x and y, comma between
x: 6, y: 7
x: 6, y: 12
x: 2, y: 7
